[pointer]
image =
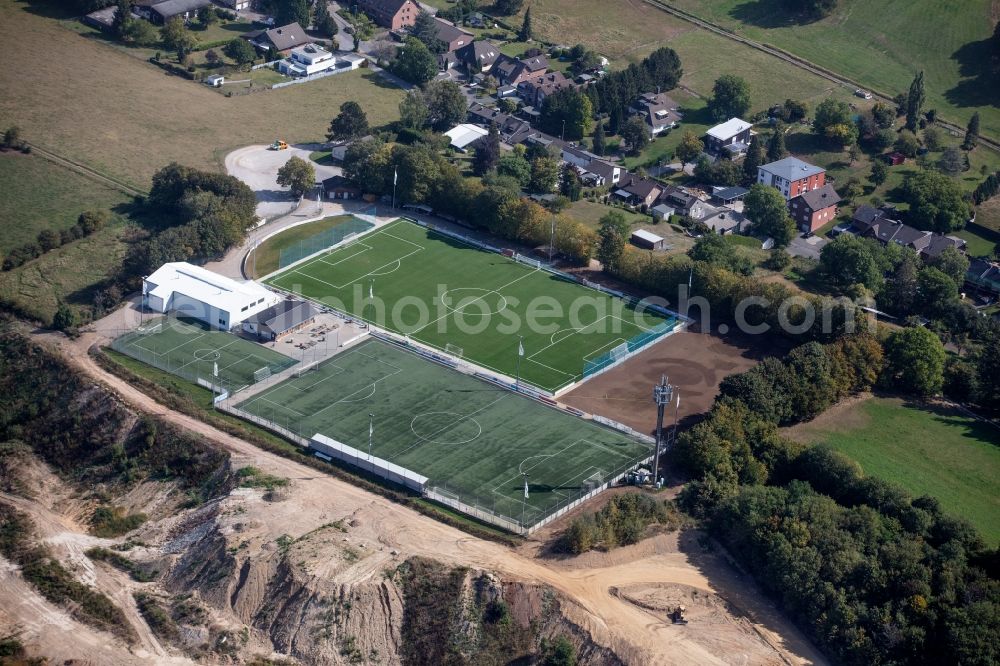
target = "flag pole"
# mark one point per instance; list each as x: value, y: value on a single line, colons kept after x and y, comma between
x: 520, y: 353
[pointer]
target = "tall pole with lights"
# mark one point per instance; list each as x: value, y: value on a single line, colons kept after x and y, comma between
x: 662, y: 394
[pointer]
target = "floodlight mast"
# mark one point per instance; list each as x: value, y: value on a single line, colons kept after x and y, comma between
x: 662, y: 393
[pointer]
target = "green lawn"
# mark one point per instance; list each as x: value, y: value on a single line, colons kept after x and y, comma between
x: 446, y: 294
x: 469, y: 437
x: 301, y: 241
x: 882, y: 44
x: 590, y: 213
x: 928, y: 450
x: 39, y: 194
x: 189, y: 349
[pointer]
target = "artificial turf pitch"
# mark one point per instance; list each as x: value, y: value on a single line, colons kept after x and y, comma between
x: 193, y: 350
x: 453, y: 296
x: 467, y: 436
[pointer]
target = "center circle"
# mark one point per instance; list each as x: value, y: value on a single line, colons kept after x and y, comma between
x: 445, y: 428
x: 474, y: 301
x: 207, y: 354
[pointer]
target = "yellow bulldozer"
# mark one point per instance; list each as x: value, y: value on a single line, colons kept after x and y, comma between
x: 279, y: 145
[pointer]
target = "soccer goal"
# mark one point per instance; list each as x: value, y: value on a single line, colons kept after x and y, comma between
x: 453, y: 350
x: 594, y: 481
x: 261, y: 374
x: 619, y: 352
x: 149, y: 330
x: 528, y: 261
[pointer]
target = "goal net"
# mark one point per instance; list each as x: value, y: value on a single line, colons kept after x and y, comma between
x: 594, y: 481
x: 147, y: 330
x: 261, y: 374
x: 619, y: 352
x: 528, y: 261
x: 454, y: 350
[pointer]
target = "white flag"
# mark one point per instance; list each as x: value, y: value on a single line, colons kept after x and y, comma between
x: 520, y: 348
x: 215, y: 369
x: 395, y: 176
x: 371, y: 290
x: 371, y: 428
x: 525, y: 487
x: 678, y: 400
x: 690, y: 275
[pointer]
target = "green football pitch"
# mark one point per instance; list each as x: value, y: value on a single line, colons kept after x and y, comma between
x: 473, y: 303
x: 467, y: 436
x: 192, y: 350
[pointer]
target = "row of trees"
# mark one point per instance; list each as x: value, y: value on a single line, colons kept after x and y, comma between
x: 871, y: 574
x: 493, y: 204
x: 49, y: 239
x: 616, y: 91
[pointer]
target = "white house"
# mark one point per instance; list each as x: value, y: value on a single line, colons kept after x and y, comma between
x: 192, y: 291
x: 307, y: 60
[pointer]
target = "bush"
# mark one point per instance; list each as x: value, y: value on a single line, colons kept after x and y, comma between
x: 113, y: 521
x: 622, y: 521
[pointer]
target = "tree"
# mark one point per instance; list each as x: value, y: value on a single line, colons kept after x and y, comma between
x: 848, y: 260
x: 951, y: 161
x: 853, y: 189
x: 515, y: 165
x: 754, y: 158
x: 122, y: 19
x: 487, y: 152
x: 570, y: 186
x: 612, y: 237
x: 793, y: 111
x: 935, y: 291
x: 831, y: 112
x: 323, y: 21
x: 177, y: 37
x: 64, y: 319
x: 936, y: 202
x: 12, y: 138
x: 544, y: 174
x: 292, y: 11
x: 766, y: 209
x: 508, y: 7
x: 49, y: 239
x: 362, y: 29
x: 915, y: 361
x: 425, y: 28
x: 599, y: 145
x: 211, y: 57
x: 415, y: 63
x: 988, y: 371
x: 367, y: 164
x: 569, y: 106
x: 240, y: 50
x: 775, y: 146
x: 842, y: 134
x: 907, y: 143
x: 207, y: 16
x: 716, y: 250
x: 141, y: 33
x: 297, y: 175
x: 413, y: 110
x: 879, y: 173
x: 972, y: 132
x: 952, y: 263
x: 446, y: 104
x: 689, y: 148
x: 635, y: 134
x: 900, y: 292
x: 883, y: 139
x: 932, y: 139
x: 558, y: 652
x: 524, y: 34
x: 351, y: 123
x: 914, y: 102
x: 730, y: 98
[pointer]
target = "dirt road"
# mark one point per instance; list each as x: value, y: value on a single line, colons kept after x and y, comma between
x: 633, y: 632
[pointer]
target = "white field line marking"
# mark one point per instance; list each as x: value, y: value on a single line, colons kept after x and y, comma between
x: 495, y: 290
x: 437, y: 432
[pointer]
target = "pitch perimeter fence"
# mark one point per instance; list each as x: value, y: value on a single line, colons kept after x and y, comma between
x: 322, y: 240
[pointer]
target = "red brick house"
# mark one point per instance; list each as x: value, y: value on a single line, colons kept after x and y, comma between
x: 391, y: 14
x: 791, y: 176
x: 814, y: 208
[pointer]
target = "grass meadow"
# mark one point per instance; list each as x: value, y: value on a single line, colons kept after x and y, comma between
x: 39, y: 194
x: 927, y: 449
x: 882, y: 44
